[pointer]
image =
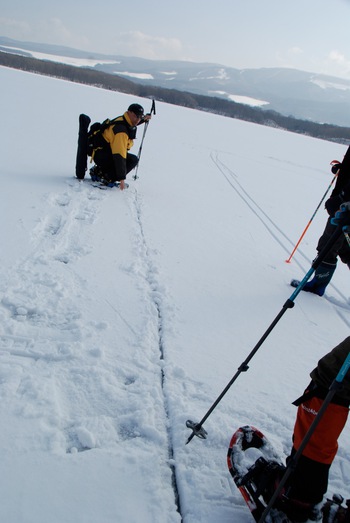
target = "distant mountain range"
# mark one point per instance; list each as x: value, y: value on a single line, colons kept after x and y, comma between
x: 290, y: 92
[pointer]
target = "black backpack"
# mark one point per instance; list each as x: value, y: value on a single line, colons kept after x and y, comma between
x: 95, y: 139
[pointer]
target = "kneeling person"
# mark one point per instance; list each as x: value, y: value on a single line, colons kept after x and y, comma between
x: 114, y: 161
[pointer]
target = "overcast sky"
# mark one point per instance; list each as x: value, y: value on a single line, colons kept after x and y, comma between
x: 312, y: 35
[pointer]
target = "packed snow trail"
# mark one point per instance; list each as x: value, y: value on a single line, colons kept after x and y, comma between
x: 64, y: 368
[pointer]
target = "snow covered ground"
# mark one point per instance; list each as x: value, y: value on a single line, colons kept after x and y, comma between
x: 123, y: 314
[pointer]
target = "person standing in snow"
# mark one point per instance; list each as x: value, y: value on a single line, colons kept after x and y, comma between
x: 341, y: 249
x: 309, y: 481
x: 113, y: 160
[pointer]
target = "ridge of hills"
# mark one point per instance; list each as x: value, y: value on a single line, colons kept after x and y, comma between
x: 298, y: 101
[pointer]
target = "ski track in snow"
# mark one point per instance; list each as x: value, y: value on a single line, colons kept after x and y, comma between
x: 340, y: 305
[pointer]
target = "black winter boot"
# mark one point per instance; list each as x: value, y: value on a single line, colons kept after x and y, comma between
x: 321, y: 279
x: 96, y: 173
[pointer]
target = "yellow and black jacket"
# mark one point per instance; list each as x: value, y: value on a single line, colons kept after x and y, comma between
x: 120, y: 135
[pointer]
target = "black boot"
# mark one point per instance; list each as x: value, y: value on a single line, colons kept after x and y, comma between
x: 96, y: 173
x: 321, y: 279
x: 334, y: 511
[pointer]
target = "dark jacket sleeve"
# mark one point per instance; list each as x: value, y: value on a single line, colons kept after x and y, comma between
x: 342, y: 185
x: 119, y: 167
x: 341, y: 191
x: 328, y: 367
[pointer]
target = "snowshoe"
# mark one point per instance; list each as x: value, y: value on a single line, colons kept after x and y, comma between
x: 255, y: 467
x: 257, y: 470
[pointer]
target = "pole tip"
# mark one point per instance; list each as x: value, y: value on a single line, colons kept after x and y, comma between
x: 197, y: 430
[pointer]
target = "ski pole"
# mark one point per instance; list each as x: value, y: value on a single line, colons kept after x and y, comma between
x: 335, y: 386
x: 312, y: 217
x: 153, y: 110
x: 197, y: 428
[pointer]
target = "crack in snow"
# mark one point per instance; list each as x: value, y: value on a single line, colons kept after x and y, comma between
x: 156, y: 297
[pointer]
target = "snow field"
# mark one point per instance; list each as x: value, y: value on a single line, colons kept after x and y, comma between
x: 123, y: 314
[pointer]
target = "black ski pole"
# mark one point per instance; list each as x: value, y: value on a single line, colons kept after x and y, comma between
x: 197, y: 428
x: 153, y: 110
x: 335, y: 386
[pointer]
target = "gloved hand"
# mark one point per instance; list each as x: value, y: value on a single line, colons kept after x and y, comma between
x: 342, y: 217
x: 333, y: 204
x: 335, y: 166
